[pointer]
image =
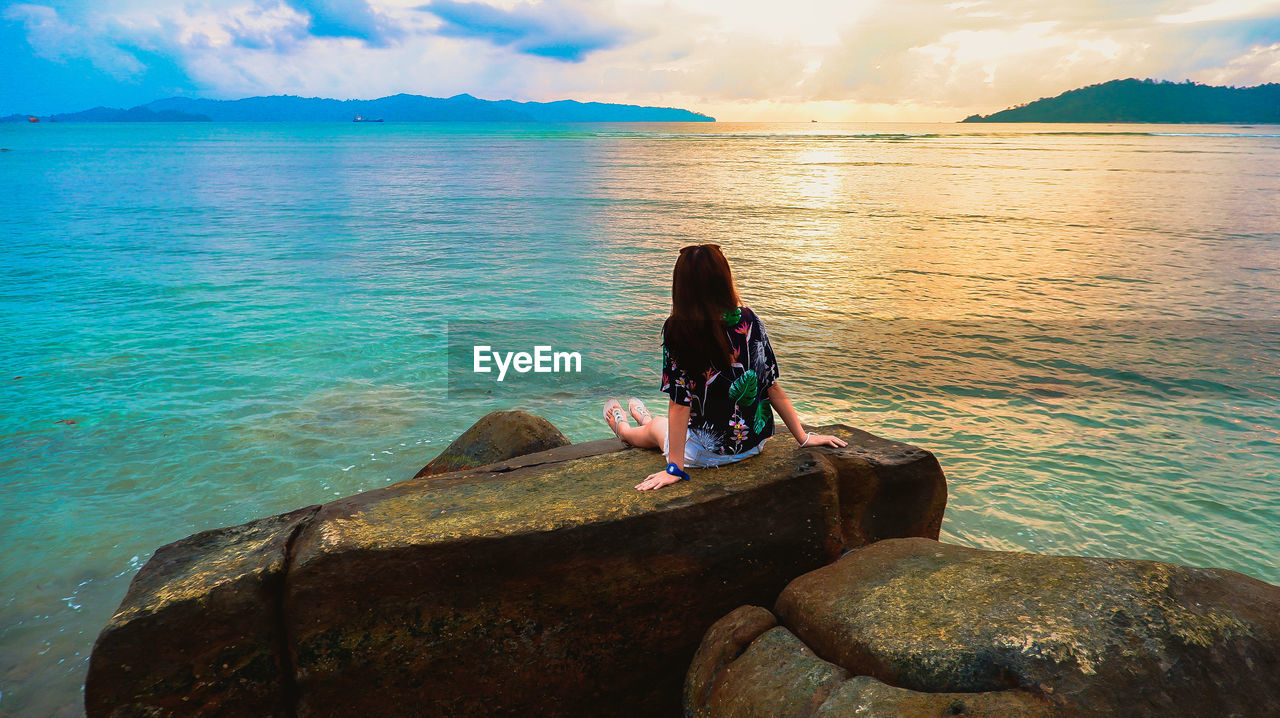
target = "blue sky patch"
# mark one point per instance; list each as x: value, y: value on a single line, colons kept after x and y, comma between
x: 347, y: 18
x: 548, y: 29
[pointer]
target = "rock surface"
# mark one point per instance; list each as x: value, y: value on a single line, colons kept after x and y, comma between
x: 914, y: 627
x: 543, y: 585
x: 199, y: 631
x: 498, y: 436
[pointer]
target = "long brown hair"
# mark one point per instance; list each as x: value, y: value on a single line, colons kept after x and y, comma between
x: 702, y: 292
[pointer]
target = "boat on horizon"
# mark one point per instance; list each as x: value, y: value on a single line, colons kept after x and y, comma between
x: 33, y: 118
x: 358, y: 118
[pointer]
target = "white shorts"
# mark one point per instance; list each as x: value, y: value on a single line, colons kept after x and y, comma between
x: 700, y: 457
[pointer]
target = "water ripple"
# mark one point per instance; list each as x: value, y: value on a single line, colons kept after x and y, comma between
x: 205, y: 324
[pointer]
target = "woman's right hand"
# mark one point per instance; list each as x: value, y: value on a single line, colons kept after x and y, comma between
x: 823, y: 440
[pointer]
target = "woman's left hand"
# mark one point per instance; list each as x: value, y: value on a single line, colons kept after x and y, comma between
x: 657, y: 481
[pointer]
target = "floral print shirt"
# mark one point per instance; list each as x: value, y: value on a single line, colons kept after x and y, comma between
x: 729, y: 410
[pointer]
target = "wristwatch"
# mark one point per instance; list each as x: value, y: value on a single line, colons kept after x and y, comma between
x: 677, y: 471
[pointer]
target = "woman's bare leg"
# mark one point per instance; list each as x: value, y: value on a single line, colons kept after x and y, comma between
x: 649, y: 436
x: 652, y: 432
x: 658, y: 430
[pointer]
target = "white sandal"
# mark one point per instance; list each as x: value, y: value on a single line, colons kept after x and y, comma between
x: 613, y: 410
x: 635, y: 406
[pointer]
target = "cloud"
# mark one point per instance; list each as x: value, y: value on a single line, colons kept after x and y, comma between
x: 559, y: 29
x: 1259, y: 64
x: 998, y: 53
x: 277, y: 27
x: 737, y: 59
x: 60, y: 60
x: 54, y: 38
x: 1220, y: 10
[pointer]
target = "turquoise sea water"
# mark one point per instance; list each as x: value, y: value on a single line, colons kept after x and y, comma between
x: 1082, y: 322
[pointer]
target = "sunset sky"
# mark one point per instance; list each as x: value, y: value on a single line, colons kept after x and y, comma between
x: 854, y: 60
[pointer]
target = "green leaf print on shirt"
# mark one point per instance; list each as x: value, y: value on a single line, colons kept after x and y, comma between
x: 743, y: 389
x: 762, y: 416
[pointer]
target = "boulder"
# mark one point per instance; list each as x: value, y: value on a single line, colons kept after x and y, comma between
x: 750, y: 667
x: 913, y: 627
x: 199, y: 631
x: 498, y: 436
x: 543, y: 585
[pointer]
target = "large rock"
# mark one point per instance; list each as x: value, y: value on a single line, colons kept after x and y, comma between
x: 199, y: 631
x: 543, y: 585
x: 913, y: 627
x: 750, y: 667
x: 498, y: 436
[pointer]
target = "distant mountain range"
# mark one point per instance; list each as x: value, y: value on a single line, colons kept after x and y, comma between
x: 1150, y: 101
x: 112, y: 114
x: 396, y: 108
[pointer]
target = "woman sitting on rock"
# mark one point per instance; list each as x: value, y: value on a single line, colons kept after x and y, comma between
x: 719, y: 370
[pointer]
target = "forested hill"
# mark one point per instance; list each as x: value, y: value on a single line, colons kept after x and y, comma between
x: 416, y: 108
x: 396, y: 108
x: 1149, y: 101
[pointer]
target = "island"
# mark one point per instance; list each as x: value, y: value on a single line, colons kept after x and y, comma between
x: 1150, y: 101
x: 395, y: 108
